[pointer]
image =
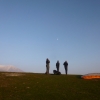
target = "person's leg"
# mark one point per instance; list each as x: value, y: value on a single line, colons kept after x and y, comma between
x: 47, y: 69
x: 65, y: 70
x: 58, y: 68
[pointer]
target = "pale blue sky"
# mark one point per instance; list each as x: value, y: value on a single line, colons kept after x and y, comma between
x: 29, y: 30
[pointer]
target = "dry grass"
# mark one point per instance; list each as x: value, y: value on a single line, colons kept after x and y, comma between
x: 13, y: 74
x: 28, y: 86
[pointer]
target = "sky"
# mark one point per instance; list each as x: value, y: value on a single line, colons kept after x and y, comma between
x: 33, y: 30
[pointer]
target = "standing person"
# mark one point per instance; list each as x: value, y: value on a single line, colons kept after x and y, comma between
x: 57, y: 65
x: 47, y: 65
x: 66, y: 66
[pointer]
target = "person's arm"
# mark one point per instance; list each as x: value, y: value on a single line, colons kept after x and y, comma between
x: 67, y: 63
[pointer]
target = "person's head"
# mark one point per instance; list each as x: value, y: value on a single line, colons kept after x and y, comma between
x: 58, y: 61
x: 47, y: 59
x: 66, y: 61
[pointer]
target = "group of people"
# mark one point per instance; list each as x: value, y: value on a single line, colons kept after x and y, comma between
x: 57, y: 66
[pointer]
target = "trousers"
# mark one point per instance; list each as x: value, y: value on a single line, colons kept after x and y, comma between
x: 66, y: 69
x: 47, y: 68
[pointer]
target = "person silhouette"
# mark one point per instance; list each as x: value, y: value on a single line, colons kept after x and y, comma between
x: 58, y: 65
x: 47, y: 65
x: 66, y: 67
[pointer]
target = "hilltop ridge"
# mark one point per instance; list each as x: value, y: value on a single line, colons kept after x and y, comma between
x: 9, y: 68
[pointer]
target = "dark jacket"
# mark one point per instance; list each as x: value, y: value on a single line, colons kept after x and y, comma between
x: 65, y: 64
x: 47, y: 61
x: 57, y: 64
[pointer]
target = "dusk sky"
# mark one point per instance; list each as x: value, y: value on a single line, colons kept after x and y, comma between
x: 33, y: 30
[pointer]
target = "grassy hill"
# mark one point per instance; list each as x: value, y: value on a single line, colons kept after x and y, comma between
x: 29, y: 86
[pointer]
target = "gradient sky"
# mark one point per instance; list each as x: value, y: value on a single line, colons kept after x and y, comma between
x: 29, y: 30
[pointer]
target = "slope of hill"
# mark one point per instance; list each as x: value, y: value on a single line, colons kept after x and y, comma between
x: 9, y: 68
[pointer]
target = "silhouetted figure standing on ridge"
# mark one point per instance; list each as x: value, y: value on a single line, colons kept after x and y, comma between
x: 47, y: 65
x: 66, y: 66
x: 57, y: 65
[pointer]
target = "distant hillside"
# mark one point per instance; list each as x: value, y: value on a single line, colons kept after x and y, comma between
x: 9, y: 68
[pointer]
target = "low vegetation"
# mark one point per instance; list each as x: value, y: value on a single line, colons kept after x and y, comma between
x: 29, y: 86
